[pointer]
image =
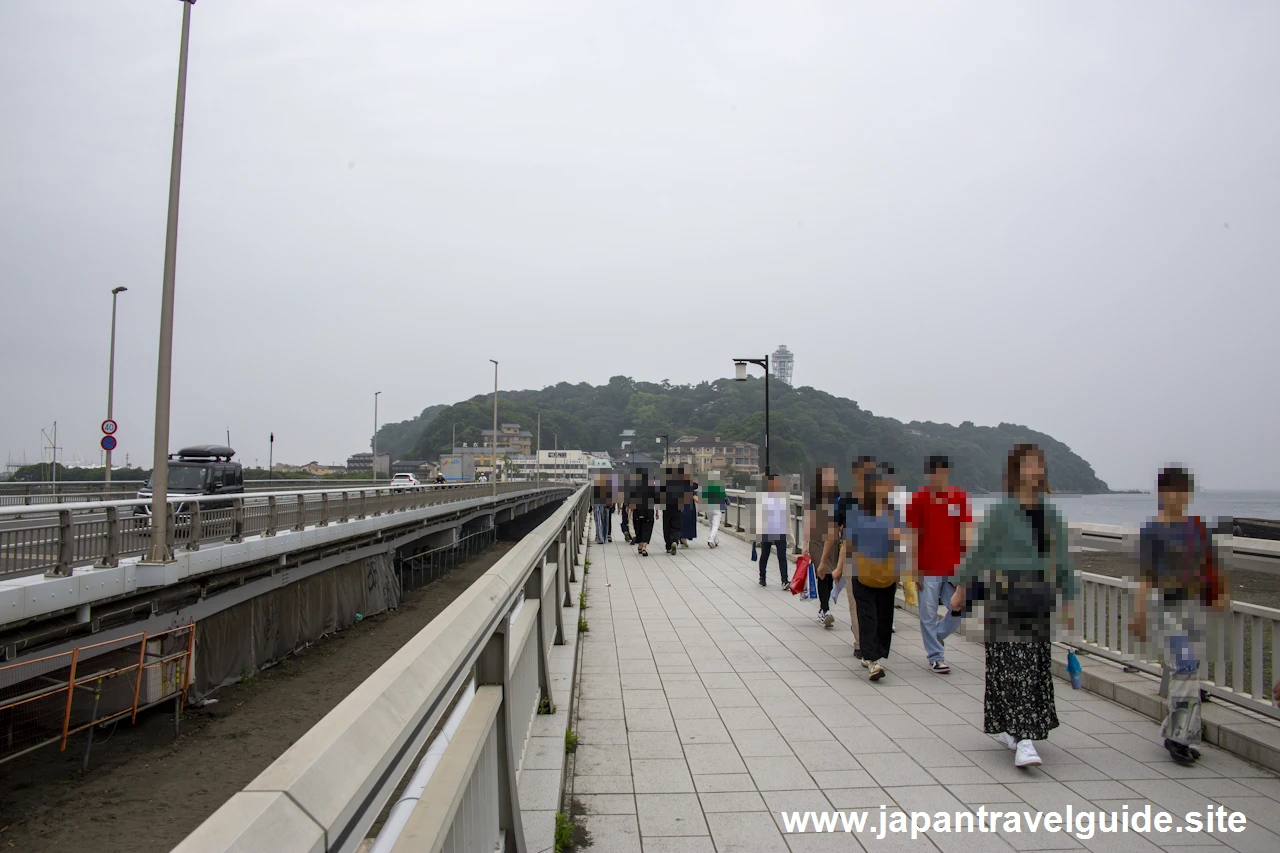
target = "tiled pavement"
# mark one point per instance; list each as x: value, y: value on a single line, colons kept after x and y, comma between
x: 709, y: 705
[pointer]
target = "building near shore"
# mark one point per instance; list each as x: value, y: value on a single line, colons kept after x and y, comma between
x: 365, y: 462
x: 710, y: 453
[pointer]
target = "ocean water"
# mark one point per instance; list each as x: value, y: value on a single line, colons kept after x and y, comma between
x: 1134, y: 510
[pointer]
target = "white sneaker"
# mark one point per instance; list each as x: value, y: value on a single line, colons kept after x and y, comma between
x: 1026, y: 754
x: 822, y: 614
x: 1008, y: 740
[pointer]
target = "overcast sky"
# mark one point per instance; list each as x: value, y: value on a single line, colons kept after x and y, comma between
x: 1063, y: 214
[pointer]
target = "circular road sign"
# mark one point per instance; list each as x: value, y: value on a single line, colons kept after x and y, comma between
x: 108, y: 427
x: 108, y: 442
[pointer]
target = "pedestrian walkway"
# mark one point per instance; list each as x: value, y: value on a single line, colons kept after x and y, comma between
x: 709, y: 705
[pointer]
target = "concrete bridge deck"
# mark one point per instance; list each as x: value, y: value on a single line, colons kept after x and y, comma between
x: 709, y: 705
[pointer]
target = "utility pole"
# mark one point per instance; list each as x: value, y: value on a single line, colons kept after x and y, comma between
x: 111, y: 377
x: 494, y: 460
x: 537, y: 458
x: 159, y: 551
x: 375, y: 435
x: 271, y: 453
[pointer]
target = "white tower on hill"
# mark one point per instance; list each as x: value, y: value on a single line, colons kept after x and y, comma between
x: 783, y: 362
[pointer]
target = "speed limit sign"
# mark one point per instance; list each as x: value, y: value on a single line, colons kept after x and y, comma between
x: 108, y: 427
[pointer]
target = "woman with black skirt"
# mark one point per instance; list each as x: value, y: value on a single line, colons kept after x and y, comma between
x: 1021, y: 554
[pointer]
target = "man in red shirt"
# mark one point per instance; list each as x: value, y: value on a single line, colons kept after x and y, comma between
x: 942, y: 522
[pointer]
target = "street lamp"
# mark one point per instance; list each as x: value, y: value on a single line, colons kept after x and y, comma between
x: 666, y: 441
x: 740, y: 375
x: 375, y: 435
x: 111, y: 374
x: 159, y: 551
x: 493, y: 460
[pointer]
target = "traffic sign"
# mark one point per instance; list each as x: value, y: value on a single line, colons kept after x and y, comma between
x: 108, y: 442
x: 109, y: 427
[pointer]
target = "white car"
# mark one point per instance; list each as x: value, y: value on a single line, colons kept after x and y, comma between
x: 404, y: 481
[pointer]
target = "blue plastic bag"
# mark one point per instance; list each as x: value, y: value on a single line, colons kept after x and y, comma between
x: 1074, y: 670
x: 813, y: 582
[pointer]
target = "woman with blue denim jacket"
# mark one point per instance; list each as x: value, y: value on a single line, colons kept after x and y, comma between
x: 1021, y: 555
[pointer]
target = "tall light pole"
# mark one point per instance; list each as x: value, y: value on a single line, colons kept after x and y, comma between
x: 666, y: 441
x: 537, y: 456
x: 740, y: 368
x: 455, y: 438
x: 111, y: 374
x: 375, y: 435
x: 159, y: 550
x: 493, y: 467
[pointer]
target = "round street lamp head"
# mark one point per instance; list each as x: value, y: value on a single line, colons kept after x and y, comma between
x: 116, y: 290
x: 740, y: 371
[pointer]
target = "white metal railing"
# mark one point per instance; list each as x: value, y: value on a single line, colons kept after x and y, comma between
x: 1244, y: 643
x: 55, y: 538
x: 328, y: 788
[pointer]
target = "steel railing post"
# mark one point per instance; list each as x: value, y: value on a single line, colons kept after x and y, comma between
x: 324, y: 509
x: 492, y: 668
x: 195, y: 528
x: 300, y: 523
x: 272, y: 516
x: 346, y: 506
x: 237, y: 520
x: 533, y: 589
x: 111, y: 556
x: 66, y: 546
x: 170, y: 514
x: 364, y: 511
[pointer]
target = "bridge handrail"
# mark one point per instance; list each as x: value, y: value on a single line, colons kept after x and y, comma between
x: 36, y: 510
x: 54, y: 540
x: 327, y: 789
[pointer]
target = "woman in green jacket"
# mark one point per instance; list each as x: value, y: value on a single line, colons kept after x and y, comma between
x: 1021, y: 555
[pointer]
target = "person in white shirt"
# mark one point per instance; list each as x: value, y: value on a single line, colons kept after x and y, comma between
x: 771, y: 522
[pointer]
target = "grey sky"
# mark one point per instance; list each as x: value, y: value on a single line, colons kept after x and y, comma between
x: 949, y: 211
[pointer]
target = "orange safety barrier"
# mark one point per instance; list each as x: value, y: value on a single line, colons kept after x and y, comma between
x: 49, y: 699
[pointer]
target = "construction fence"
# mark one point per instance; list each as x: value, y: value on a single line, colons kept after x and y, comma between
x: 48, y: 700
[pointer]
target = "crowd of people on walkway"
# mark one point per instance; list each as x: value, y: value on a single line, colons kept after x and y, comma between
x: 871, y: 541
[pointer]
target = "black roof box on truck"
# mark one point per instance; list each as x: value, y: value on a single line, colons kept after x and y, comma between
x: 206, y: 451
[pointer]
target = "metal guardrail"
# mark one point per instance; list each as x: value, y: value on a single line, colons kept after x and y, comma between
x: 326, y: 791
x: 1243, y: 647
x: 73, y: 491
x: 1244, y: 643
x: 53, y: 540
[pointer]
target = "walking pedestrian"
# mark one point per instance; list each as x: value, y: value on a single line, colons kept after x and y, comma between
x: 1021, y: 552
x: 942, y: 523
x: 688, y: 509
x: 716, y: 499
x: 601, y: 499
x: 1181, y: 577
x: 624, y: 509
x: 846, y: 506
x: 771, y: 521
x: 874, y: 533
x: 673, y: 493
x: 643, y: 500
x: 821, y: 536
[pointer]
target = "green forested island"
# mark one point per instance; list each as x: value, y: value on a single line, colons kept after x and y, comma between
x: 807, y: 427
